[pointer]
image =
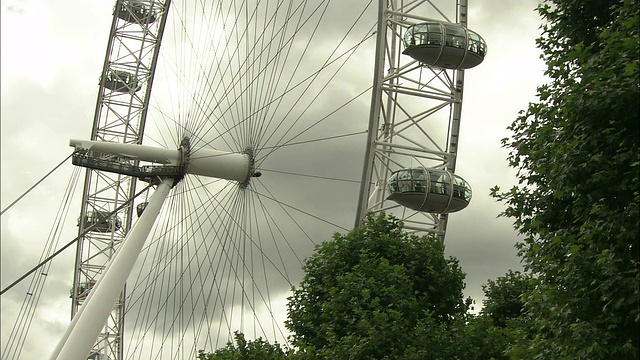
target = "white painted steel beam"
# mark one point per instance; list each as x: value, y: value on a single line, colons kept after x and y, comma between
x: 205, y: 162
x: 78, y: 340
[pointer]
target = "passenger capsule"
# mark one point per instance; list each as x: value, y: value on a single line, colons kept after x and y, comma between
x: 83, y: 290
x: 136, y: 12
x: 140, y: 208
x: 97, y: 356
x: 445, y: 45
x: 121, y: 81
x: 429, y: 190
x: 95, y: 217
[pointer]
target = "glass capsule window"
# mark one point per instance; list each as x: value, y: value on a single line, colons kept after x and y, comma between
x: 122, y: 81
x: 434, y: 33
x: 430, y: 190
x: 140, y: 208
x: 417, y: 180
x: 122, y: 76
x: 440, y: 182
x: 461, y: 189
x: 136, y: 12
x: 419, y: 34
x: 96, y: 217
x: 477, y: 44
x: 456, y: 36
x: 408, y: 180
x: 83, y: 289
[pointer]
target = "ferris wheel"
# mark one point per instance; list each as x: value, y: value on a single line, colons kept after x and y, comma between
x: 242, y: 158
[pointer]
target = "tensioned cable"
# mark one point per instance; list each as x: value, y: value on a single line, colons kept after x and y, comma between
x: 236, y: 77
x: 230, y: 197
x: 281, y: 96
x: 168, y: 261
x: 200, y: 264
x: 206, y: 252
x: 284, y: 44
x: 276, y: 228
x: 90, y: 228
x: 165, y: 232
x: 315, y: 140
x: 25, y: 315
x: 275, y: 148
x: 273, y: 81
x: 265, y: 216
x: 153, y: 288
x: 24, y: 319
x: 36, y: 184
x: 327, y: 61
x: 304, y: 212
x: 207, y: 97
x: 311, y: 176
x: 311, y: 40
x: 222, y: 206
x: 200, y: 99
x: 286, y: 92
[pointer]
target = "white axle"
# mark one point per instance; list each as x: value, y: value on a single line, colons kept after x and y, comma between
x: 205, y: 162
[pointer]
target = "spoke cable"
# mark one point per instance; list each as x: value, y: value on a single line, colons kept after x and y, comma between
x: 86, y: 231
x: 312, y: 176
x: 272, y: 198
x: 24, y: 320
x: 289, y: 143
x: 328, y: 61
x: 36, y: 184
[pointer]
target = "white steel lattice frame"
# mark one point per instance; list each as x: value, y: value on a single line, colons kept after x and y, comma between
x: 415, y: 111
x: 119, y: 117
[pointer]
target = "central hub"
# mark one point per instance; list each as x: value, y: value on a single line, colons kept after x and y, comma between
x: 108, y: 156
x: 252, y: 167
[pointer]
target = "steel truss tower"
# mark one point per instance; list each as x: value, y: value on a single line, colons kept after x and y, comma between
x: 415, y: 108
x: 123, y: 99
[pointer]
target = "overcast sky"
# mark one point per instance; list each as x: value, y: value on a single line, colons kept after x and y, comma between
x: 51, y: 57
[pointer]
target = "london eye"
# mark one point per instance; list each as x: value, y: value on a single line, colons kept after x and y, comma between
x: 238, y: 113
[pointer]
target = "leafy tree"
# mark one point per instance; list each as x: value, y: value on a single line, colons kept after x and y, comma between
x: 247, y: 350
x: 576, y: 150
x: 503, y: 297
x: 482, y: 340
x: 501, y: 321
x: 378, y: 293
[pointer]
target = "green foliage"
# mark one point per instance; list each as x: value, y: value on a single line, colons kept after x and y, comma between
x: 503, y: 300
x: 482, y: 340
x: 501, y: 322
x: 577, y: 200
x: 378, y: 293
x: 247, y: 350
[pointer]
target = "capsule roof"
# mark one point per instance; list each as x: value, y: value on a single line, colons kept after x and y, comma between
x: 429, y: 190
x: 445, y: 45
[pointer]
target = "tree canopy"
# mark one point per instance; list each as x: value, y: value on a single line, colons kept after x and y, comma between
x: 576, y: 151
x: 377, y: 292
x: 503, y: 297
x: 243, y: 349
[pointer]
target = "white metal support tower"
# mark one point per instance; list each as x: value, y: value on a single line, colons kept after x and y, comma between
x: 123, y: 98
x: 416, y: 104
